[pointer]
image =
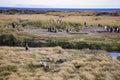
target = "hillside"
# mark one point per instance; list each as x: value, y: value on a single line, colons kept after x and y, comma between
x: 18, y: 64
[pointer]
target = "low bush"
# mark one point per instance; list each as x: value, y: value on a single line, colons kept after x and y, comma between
x: 8, y: 39
x: 12, y: 40
x: 1, y: 30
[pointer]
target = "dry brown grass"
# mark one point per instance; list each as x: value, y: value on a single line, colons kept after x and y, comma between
x: 18, y: 64
x: 91, y: 20
x: 6, y: 20
x: 33, y: 17
x: 71, y: 13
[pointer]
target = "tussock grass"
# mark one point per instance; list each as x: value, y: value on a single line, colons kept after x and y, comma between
x: 18, y: 64
x: 37, y: 20
x: 7, y: 20
x: 92, y: 20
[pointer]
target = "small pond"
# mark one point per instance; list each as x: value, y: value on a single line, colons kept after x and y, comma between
x: 114, y: 55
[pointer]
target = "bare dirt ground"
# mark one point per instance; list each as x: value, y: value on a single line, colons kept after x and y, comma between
x: 89, y: 31
x: 45, y: 32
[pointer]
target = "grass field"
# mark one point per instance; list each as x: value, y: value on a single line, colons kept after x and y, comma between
x: 106, y: 41
x: 81, y: 62
x: 18, y: 64
x: 90, y: 20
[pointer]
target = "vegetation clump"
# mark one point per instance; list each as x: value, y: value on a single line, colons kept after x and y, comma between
x: 85, y: 64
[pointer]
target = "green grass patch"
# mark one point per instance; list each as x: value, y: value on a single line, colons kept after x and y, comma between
x: 47, y: 24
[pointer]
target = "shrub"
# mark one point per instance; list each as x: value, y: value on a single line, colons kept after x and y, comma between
x: 8, y: 39
x: 81, y: 45
x: 35, y: 23
x: 67, y: 45
x: 1, y: 30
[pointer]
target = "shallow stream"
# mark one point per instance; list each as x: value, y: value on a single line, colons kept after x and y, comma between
x: 114, y: 54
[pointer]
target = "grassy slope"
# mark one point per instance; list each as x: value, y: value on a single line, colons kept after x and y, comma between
x: 18, y: 64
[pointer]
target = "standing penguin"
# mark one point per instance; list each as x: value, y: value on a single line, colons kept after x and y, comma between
x: 26, y: 46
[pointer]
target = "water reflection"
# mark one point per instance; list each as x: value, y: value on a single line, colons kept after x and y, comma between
x: 114, y: 55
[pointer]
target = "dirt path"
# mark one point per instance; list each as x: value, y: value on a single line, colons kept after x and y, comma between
x: 89, y: 31
x: 45, y: 32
